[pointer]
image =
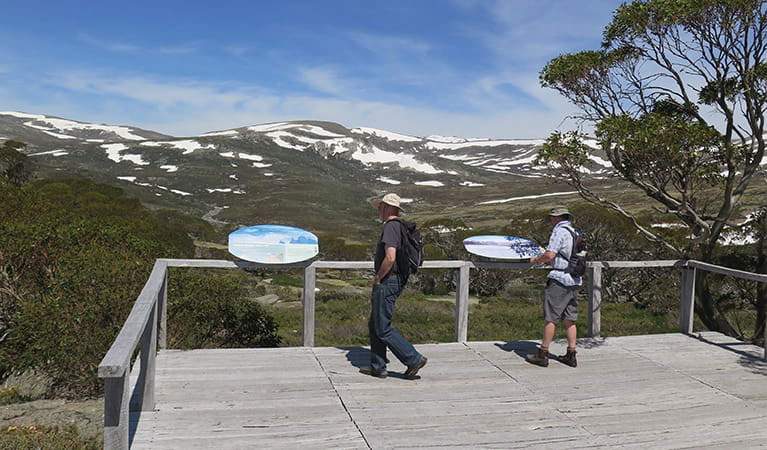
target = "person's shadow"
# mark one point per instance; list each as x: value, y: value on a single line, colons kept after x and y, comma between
x: 359, y: 357
x: 520, y: 348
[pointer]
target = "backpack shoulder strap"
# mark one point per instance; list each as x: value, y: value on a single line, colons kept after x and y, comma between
x: 574, y: 234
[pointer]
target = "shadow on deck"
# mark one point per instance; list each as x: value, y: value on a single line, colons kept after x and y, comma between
x: 668, y: 391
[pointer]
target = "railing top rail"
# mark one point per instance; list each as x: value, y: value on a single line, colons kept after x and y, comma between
x: 637, y: 264
x: 117, y: 359
x: 727, y: 271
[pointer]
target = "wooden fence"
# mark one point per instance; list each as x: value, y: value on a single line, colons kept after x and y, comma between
x: 145, y: 329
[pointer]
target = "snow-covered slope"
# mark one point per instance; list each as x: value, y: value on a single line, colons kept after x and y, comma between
x: 247, y: 166
x: 73, y: 130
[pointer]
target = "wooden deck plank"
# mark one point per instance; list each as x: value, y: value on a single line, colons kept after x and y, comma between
x: 659, y: 391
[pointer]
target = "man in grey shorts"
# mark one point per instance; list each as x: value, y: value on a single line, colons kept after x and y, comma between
x: 560, y: 302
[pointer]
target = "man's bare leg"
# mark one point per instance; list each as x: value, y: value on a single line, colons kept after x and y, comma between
x: 572, y: 333
x: 548, y: 334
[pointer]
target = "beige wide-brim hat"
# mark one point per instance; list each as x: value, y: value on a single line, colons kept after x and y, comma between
x: 560, y: 211
x: 390, y: 199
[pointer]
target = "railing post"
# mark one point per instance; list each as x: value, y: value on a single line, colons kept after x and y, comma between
x: 462, y: 304
x: 310, y: 280
x: 595, y: 301
x: 144, y: 390
x: 116, y: 398
x: 162, y: 310
x: 687, y: 300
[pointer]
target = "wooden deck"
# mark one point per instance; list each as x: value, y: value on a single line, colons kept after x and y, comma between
x: 659, y: 391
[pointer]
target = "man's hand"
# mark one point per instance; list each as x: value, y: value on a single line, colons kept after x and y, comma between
x: 375, y: 281
x: 546, y: 257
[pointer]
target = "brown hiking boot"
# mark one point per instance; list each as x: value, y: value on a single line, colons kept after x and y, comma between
x: 412, y: 371
x: 569, y: 358
x: 540, y: 358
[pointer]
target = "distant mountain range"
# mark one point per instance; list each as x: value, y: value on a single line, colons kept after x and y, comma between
x: 308, y: 173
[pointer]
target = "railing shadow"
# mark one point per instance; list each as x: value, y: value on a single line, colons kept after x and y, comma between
x: 750, y: 359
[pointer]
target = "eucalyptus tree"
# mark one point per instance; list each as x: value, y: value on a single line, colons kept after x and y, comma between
x: 676, y: 97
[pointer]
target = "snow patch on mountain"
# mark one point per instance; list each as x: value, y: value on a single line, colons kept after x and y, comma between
x: 225, y: 190
x: 221, y: 133
x: 114, y: 153
x: 388, y: 180
x: 430, y: 183
x: 169, y: 168
x: 482, y: 143
x: 319, y: 131
x: 250, y: 157
x: 527, y: 197
x: 272, y: 127
x: 277, y: 138
x: 406, y: 161
x: 54, y: 126
x: 187, y: 145
x: 471, y: 184
x: 386, y: 134
x: 51, y: 152
x: 600, y: 161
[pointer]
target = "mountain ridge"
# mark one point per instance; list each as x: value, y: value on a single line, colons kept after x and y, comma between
x: 306, y: 173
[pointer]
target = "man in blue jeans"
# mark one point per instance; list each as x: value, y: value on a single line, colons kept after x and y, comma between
x: 387, y: 286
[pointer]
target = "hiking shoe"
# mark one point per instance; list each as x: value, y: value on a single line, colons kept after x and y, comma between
x: 374, y: 373
x: 411, y: 371
x: 569, y: 358
x: 540, y: 358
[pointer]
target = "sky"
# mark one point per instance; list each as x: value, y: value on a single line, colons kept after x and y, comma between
x: 449, y: 67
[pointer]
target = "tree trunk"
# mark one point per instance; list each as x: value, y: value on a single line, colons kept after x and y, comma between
x: 706, y: 307
x: 761, y: 288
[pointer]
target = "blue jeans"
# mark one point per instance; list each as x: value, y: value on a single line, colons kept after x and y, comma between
x: 382, y: 334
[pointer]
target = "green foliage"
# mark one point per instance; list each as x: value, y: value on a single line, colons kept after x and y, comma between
x: 635, y: 20
x: 669, y: 151
x: 341, y: 248
x: 74, y: 256
x: 282, y: 279
x: 577, y: 74
x: 344, y: 322
x: 15, y: 167
x: 211, y: 309
x: 564, y: 150
x: 9, y: 395
x: 34, y: 437
x: 192, y: 226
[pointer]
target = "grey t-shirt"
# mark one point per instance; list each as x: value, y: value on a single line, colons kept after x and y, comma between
x: 391, y: 236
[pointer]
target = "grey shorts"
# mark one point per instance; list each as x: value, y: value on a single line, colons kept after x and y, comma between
x: 560, y: 302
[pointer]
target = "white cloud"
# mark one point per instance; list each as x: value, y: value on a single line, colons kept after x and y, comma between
x: 188, y: 107
x: 382, y: 43
x: 323, y: 79
x: 112, y: 46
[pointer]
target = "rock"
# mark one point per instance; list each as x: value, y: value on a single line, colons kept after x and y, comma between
x: 268, y: 299
x: 354, y: 291
x: 30, y: 384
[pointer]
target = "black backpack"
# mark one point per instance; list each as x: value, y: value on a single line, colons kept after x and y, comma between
x: 410, y: 256
x: 576, y: 264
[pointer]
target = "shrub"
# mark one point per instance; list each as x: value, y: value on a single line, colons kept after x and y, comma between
x: 74, y: 256
x: 34, y: 437
x: 209, y: 309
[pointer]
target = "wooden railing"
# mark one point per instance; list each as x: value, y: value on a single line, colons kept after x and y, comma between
x: 145, y: 328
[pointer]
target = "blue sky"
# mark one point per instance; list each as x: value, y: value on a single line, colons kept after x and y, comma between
x: 460, y: 67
